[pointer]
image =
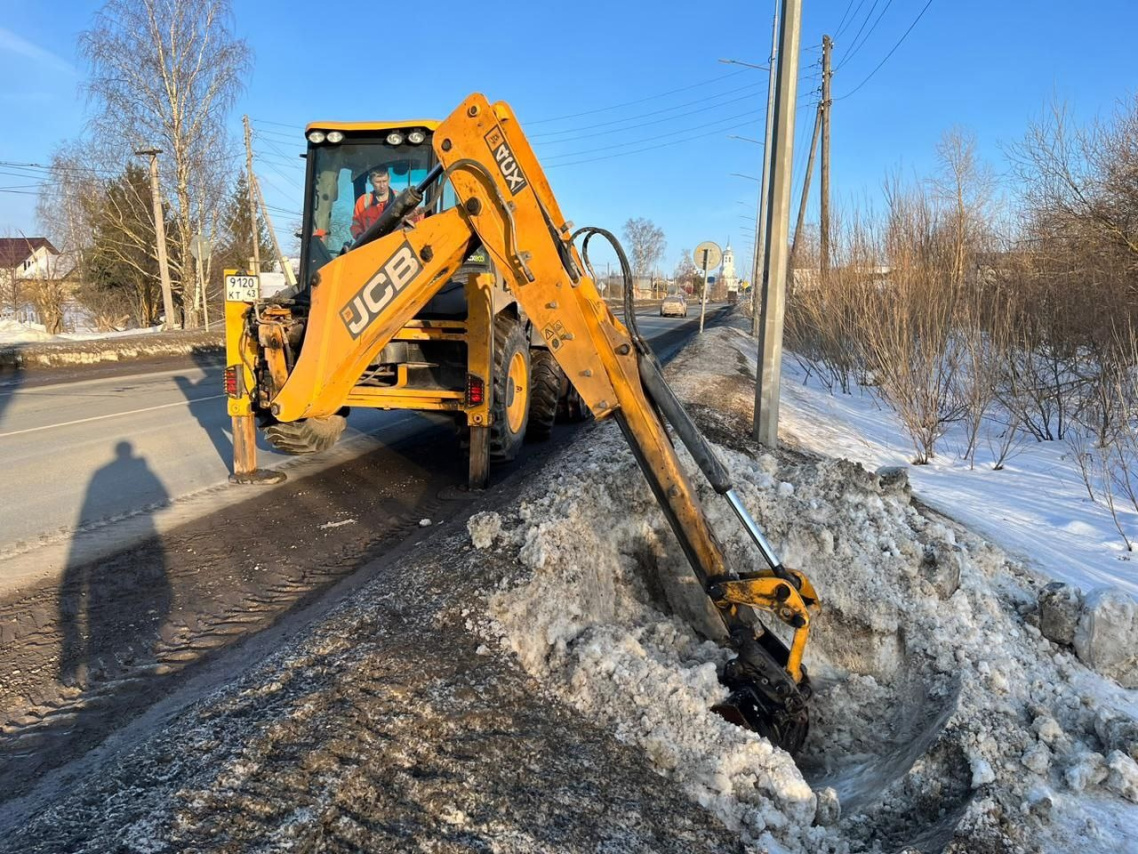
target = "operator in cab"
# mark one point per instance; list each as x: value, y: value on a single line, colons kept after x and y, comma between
x: 370, y: 205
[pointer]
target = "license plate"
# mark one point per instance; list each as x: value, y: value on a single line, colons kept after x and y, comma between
x: 242, y: 288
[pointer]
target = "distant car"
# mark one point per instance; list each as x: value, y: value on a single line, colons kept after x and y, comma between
x: 674, y: 306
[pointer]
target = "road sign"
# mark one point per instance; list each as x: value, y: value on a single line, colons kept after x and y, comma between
x: 707, y: 255
x: 200, y: 247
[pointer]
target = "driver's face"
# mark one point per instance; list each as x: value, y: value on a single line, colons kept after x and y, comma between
x: 380, y: 183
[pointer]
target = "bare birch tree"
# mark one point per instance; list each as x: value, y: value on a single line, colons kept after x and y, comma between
x: 166, y: 73
x: 646, y: 244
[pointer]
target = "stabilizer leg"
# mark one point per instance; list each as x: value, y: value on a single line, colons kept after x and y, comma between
x: 245, y: 456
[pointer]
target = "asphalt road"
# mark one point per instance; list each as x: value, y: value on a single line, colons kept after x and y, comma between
x: 81, y: 453
x: 145, y: 609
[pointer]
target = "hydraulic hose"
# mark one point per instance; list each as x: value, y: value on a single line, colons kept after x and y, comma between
x: 666, y: 402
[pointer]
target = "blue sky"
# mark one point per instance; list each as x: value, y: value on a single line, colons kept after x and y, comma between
x: 987, y: 66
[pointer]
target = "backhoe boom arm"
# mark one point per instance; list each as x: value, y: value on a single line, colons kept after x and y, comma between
x: 363, y: 298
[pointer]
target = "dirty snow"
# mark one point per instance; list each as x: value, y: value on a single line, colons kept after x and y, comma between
x: 942, y: 715
x: 943, y: 718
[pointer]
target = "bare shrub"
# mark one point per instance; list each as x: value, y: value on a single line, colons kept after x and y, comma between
x: 1005, y: 439
x: 908, y: 330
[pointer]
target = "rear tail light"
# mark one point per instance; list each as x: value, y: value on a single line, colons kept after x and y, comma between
x: 475, y: 390
x: 231, y: 382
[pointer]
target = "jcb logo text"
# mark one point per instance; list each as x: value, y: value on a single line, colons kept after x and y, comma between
x: 380, y: 290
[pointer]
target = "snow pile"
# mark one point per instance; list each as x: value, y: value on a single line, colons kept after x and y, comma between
x: 18, y: 332
x: 1106, y: 637
x: 21, y: 332
x: 942, y: 715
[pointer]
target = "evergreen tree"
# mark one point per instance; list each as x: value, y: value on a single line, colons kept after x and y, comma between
x: 235, y: 239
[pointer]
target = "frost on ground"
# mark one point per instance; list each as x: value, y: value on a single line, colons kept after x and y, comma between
x: 943, y: 718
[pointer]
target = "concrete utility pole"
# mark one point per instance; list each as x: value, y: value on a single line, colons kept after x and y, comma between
x: 252, y: 196
x: 160, y: 235
x: 758, y: 294
x: 775, y: 248
x: 805, y: 187
x: 826, y: 102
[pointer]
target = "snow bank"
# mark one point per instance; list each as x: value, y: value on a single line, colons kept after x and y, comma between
x: 18, y: 332
x: 48, y: 351
x: 942, y: 715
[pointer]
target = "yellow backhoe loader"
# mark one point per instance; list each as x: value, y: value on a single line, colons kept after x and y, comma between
x: 408, y: 313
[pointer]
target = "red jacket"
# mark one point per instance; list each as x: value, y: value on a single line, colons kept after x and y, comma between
x: 368, y: 208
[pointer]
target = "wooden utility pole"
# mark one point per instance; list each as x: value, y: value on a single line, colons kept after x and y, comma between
x: 825, y: 104
x: 286, y: 267
x: 805, y: 188
x: 160, y: 235
x: 775, y: 247
x: 251, y: 181
x: 758, y: 294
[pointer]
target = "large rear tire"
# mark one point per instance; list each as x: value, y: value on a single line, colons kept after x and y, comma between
x: 545, y: 394
x: 512, y: 383
x: 308, y: 436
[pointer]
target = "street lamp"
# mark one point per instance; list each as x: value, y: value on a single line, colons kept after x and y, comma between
x: 748, y: 177
x: 744, y: 138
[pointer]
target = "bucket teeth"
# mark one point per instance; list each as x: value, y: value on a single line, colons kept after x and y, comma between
x: 763, y: 697
x: 751, y: 708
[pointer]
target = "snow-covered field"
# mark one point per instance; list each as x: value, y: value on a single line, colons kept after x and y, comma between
x: 1036, y: 507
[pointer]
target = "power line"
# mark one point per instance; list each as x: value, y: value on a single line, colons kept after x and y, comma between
x: 859, y: 45
x: 891, y: 52
x: 652, y: 138
x: 548, y: 142
x: 281, y: 136
x: 651, y: 147
x: 278, y: 124
x: 749, y: 87
x: 276, y: 168
x: 849, y: 6
x: 868, y: 15
x: 639, y: 100
x: 852, y: 18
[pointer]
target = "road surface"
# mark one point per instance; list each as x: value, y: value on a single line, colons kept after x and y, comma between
x: 56, y: 437
x: 159, y: 580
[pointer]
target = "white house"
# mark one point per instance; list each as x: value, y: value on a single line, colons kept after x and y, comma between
x: 26, y: 258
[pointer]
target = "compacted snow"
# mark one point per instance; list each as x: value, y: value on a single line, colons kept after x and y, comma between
x: 942, y: 716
